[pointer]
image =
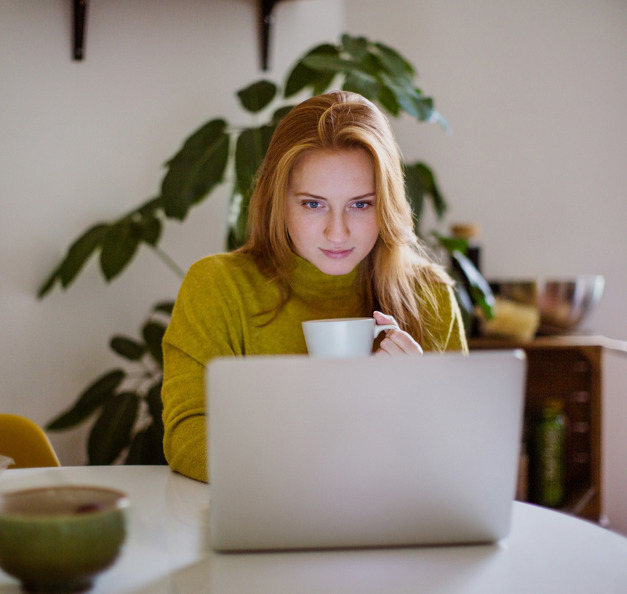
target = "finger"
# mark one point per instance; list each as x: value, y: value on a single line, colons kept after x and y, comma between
x: 382, y: 319
x: 391, y: 347
x: 397, y: 342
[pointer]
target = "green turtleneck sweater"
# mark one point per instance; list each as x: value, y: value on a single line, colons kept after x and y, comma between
x: 215, y: 315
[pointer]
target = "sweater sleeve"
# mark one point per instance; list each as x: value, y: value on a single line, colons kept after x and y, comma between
x: 203, y: 326
x: 184, y: 441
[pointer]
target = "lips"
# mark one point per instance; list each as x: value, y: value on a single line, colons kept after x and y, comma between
x: 337, y: 254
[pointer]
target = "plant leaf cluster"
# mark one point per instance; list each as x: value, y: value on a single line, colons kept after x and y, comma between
x: 125, y: 406
x: 371, y: 69
x: 219, y: 152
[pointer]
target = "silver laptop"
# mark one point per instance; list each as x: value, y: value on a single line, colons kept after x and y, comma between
x: 371, y: 452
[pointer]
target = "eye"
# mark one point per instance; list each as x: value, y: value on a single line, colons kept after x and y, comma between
x: 361, y: 204
x: 312, y: 204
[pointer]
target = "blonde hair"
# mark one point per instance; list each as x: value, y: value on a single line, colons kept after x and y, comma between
x: 397, y: 277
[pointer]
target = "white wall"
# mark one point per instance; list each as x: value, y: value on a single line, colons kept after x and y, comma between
x: 85, y: 141
x: 535, y: 93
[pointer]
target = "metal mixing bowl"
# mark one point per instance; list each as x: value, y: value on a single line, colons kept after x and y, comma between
x: 563, y: 303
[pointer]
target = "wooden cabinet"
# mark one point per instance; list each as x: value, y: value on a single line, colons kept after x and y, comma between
x: 567, y: 370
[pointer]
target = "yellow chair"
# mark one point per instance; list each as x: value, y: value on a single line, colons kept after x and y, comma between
x: 25, y: 442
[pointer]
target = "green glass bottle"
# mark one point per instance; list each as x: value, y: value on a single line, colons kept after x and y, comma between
x: 548, y: 468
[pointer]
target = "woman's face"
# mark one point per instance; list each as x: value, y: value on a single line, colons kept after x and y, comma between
x: 331, y: 214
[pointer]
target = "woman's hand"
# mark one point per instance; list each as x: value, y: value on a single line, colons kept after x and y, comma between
x: 395, y: 341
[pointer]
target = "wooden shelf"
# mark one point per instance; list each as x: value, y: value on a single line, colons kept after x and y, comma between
x: 567, y: 369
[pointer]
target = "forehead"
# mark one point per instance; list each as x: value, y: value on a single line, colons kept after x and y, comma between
x: 331, y: 166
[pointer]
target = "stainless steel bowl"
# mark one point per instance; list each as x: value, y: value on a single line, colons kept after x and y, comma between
x: 562, y: 303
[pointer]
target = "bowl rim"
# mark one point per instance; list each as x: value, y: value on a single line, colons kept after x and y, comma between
x: 121, y: 501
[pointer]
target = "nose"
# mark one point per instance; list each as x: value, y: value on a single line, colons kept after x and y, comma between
x: 337, y: 229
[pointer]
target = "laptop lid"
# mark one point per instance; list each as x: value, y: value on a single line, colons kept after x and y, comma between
x: 369, y: 452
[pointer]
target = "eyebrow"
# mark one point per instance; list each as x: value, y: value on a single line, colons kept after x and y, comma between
x: 316, y: 197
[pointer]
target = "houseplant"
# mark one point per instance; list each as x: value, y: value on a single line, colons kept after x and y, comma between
x: 127, y: 405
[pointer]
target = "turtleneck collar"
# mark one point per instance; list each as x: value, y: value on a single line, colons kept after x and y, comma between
x: 306, y: 276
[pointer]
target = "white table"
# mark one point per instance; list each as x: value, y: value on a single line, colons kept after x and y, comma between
x: 167, y: 550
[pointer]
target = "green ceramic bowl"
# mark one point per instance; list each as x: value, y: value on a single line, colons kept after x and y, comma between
x: 56, y: 539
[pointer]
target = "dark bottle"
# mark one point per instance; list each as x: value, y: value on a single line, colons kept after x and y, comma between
x: 547, y: 461
x: 470, y: 232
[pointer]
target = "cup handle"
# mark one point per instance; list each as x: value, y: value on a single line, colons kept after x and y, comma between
x: 378, y: 329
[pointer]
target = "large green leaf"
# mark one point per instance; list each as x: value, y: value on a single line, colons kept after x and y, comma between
x: 322, y: 83
x: 415, y: 191
x: 451, y: 244
x: 410, y: 98
x: 471, y: 287
x: 127, y: 347
x: 372, y: 64
x: 420, y: 184
x: 250, y: 150
x: 423, y: 106
x: 420, y: 179
x: 78, y: 254
x: 153, y: 335
x: 395, y: 64
x: 153, y: 450
x: 118, y: 248
x: 96, y: 394
x: 466, y: 305
x: 355, y: 46
x: 257, y: 96
x: 146, y: 447
x: 251, y: 147
x: 280, y: 113
x: 148, y: 228
x: 112, y: 431
x: 302, y: 76
x: 196, y: 169
x: 410, y: 102
x: 336, y: 64
x: 135, y: 454
x: 48, y: 284
x: 81, y: 250
x: 364, y: 85
x: 387, y: 100
x: 164, y: 307
x: 149, y: 207
x: 480, y: 290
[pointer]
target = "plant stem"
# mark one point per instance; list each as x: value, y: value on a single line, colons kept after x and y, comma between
x: 169, y: 262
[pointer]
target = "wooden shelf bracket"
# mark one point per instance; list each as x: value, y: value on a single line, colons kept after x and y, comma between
x: 80, y: 23
x: 266, y: 22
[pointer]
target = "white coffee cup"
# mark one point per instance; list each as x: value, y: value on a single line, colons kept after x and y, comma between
x: 342, y: 337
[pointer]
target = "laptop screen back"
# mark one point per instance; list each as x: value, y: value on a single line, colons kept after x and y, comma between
x: 376, y: 451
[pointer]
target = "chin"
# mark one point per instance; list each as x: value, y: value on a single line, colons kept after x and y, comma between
x: 335, y: 268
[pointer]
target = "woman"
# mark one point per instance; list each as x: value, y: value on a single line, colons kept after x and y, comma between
x: 330, y: 235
